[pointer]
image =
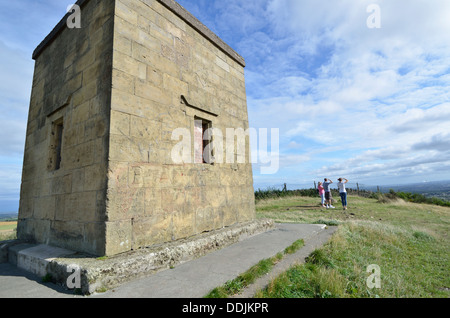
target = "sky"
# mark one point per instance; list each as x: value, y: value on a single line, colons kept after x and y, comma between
x: 354, y: 91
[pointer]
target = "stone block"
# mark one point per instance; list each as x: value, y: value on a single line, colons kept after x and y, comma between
x: 128, y: 64
x: 127, y: 14
x: 125, y: 203
x: 120, y: 123
x: 153, y: 230
x: 118, y: 237
x: 94, y: 177
x: 95, y: 128
x: 78, y: 156
x: 175, y: 85
x: 207, y: 218
x: 122, y: 44
x: 135, y: 105
x: 123, y: 81
x: 172, y: 200
x: 153, y: 93
x: 81, y: 113
x: 153, y: 202
x: 145, y: 128
x: 85, y: 93
x: 125, y: 28
x: 44, y: 208
x: 183, y: 224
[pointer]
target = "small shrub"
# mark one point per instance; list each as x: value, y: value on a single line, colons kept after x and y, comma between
x: 47, y: 278
x: 294, y: 247
x: 319, y: 258
x: 422, y: 236
x: 327, y: 222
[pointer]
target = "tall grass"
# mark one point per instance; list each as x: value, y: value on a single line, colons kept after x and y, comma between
x: 6, y: 236
x: 235, y: 286
x: 412, y: 265
x: 408, y: 241
x: 272, y: 193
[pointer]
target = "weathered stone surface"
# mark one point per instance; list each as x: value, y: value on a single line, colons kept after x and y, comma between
x: 101, y: 274
x: 120, y: 86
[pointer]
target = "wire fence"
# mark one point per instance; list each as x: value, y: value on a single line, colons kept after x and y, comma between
x: 313, y: 185
x: 376, y: 192
x: 311, y: 190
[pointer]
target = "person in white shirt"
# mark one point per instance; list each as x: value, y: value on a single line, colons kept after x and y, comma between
x: 343, y: 192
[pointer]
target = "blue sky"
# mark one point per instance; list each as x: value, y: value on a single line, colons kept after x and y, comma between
x: 372, y: 105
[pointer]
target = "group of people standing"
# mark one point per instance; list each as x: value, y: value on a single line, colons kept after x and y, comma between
x: 325, y: 193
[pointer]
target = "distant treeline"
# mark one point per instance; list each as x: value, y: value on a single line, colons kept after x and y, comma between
x: 8, y: 217
x: 273, y: 193
x: 410, y: 197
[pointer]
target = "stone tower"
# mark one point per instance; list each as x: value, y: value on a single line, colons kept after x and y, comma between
x: 99, y: 174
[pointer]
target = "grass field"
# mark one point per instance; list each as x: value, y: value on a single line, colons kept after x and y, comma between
x: 7, y: 230
x: 408, y: 242
x: 6, y: 226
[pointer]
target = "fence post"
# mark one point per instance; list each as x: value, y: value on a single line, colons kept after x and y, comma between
x: 315, y: 186
x: 357, y: 187
x: 285, y: 187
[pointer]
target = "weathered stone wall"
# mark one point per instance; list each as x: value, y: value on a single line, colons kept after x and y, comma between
x: 71, y: 85
x: 159, y: 57
x: 120, y: 85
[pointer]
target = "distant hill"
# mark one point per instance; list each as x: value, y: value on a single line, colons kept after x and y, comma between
x: 8, y: 215
x: 437, y: 189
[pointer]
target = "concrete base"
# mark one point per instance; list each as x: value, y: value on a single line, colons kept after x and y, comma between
x: 36, y: 259
x: 100, y: 274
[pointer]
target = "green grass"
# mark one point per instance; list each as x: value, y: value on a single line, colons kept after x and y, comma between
x: 408, y: 241
x: 7, y: 230
x: 234, y: 286
x: 8, y: 226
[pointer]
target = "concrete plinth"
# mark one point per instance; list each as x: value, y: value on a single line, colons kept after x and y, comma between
x: 106, y: 273
x: 37, y: 258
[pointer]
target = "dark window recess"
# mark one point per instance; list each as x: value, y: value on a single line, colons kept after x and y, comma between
x: 56, y: 140
x: 206, y: 142
x: 202, y: 138
x: 59, y: 133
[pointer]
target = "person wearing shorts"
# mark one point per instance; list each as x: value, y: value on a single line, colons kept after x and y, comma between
x: 328, y: 197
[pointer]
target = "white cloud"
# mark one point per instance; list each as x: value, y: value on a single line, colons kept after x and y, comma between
x: 353, y: 99
x: 363, y: 89
x: 15, y: 89
x: 9, y: 174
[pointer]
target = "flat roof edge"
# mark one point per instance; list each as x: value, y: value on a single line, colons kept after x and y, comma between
x: 174, y: 7
x: 54, y: 33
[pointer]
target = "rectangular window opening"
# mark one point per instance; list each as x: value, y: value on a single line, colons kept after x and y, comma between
x: 203, y: 139
x: 59, y: 134
x: 55, y: 158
